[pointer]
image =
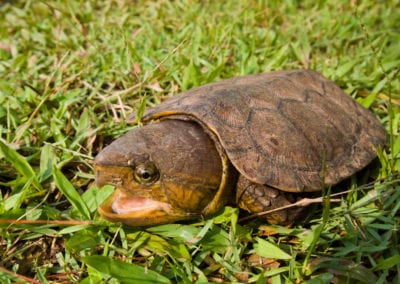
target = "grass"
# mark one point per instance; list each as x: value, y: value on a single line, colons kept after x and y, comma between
x: 70, y: 73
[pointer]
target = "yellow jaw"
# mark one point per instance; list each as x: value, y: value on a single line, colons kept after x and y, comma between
x: 139, y: 211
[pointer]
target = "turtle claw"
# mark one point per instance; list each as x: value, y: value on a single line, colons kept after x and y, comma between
x: 257, y: 198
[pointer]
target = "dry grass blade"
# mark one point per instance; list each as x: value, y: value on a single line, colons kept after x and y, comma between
x: 19, y: 276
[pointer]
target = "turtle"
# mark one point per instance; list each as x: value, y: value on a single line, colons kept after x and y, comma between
x: 257, y: 142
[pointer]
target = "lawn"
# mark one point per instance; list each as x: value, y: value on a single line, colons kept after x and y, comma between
x: 72, y: 71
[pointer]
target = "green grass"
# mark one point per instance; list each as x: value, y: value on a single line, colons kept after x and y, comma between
x: 70, y: 73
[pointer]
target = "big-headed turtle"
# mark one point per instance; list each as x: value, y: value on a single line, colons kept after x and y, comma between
x: 255, y: 141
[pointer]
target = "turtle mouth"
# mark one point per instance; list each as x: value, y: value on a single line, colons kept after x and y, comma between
x: 139, y: 211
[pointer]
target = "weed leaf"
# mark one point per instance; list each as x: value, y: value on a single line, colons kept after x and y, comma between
x: 70, y: 193
x: 123, y: 271
x: 19, y: 163
x: 266, y: 249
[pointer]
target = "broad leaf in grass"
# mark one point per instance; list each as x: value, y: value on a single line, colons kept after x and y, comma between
x: 159, y: 245
x: 18, y: 162
x: 216, y: 240
x: 368, y: 101
x: 70, y: 193
x: 173, y: 248
x: 11, y: 215
x: 231, y: 215
x: 94, y: 196
x: 32, y: 212
x: 266, y: 249
x: 138, y: 239
x: 273, y: 274
x: 72, y: 229
x: 320, y: 279
x: 345, y: 68
x: 47, y: 160
x: 94, y: 277
x: 39, y: 231
x: 226, y: 264
x: 179, y: 232
x: 387, y: 263
x: 123, y: 271
x: 15, y: 201
x: 83, y: 240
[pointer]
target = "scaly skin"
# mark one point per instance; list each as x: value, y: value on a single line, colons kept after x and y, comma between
x: 255, y: 198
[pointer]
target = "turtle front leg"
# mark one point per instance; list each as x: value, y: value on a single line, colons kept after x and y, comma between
x: 257, y: 198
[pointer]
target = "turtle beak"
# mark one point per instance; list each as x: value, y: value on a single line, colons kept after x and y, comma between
x: 138, y: 211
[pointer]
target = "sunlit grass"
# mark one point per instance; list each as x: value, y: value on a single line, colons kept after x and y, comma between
x: 70, y: 73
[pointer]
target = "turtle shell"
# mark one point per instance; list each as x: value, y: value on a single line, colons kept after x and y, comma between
x: 292, y: 130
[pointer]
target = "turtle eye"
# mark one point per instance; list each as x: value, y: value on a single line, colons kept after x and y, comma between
x: 146, y: 173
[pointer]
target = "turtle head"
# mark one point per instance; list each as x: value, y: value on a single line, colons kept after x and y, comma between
x: 162, y: 173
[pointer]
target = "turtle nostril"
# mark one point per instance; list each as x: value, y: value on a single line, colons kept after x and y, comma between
x: 116, y: 181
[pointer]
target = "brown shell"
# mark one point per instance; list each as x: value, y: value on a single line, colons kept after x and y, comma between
x: 293, y: 130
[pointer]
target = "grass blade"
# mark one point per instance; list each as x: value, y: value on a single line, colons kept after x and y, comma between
x: 19, y: 163
x: 70, y: 193
x: 266, y: 249
x: 123, y: 271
